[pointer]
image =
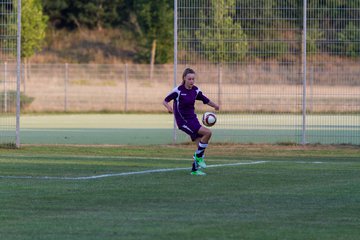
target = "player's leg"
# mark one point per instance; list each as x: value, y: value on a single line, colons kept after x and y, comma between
x: 204, y: 140
x: 205, y: 133
x: 193, y: 128
x: 195, y: 138
x: 198, y: 161
x: 195, y: 166
x: 202, y: 144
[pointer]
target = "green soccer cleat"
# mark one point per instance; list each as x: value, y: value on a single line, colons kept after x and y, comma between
x: 199, y: 161
x: 198, y: 173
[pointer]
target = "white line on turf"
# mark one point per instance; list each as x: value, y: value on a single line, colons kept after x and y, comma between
x: 127, y: 173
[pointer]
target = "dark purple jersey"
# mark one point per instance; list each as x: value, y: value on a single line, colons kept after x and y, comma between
x: 184, y: 102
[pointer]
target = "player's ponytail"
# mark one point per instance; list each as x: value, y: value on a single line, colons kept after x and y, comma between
x: 186, y: 72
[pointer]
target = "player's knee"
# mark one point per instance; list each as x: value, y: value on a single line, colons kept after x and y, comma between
x: 208, y: 133
x: 205, y: 132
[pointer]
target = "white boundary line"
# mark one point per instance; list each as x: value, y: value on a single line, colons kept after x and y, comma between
x: 146, y: 171
x: 126, y: 173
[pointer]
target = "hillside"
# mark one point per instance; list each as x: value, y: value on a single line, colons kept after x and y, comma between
x: 111, y: 46
x: 86, y: 46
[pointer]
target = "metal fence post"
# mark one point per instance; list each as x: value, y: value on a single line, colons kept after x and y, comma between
x: 25, y: 76
x: 66, y: 79
x: 175, y: 58
x: 126, y: 89
x: 5, y: 87
x: 248, y: 74
x: 18, y: 75
x: 312, y: 89
x: 219, y: 83
x: 304, y: 62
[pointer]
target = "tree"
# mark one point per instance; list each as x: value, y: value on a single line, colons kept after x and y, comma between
x: 314, y: 35
x: 56, y: 11
x: 91, y: 14
x: 95, y: 14
x: 155, y: 19
x: 221, y: 38
x: 33, y: 26
x: 349, y: 40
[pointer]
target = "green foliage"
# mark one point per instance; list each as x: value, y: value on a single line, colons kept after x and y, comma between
x: 349, y: 38
x: 155, y: 19
x: 338, y: 18
x: 33, y: 26
x: 92, y: 14
x: 269, y: 49
x: 10, y: 97
x: 313, y: 36
x: 8, y: 26
x: 222, y: 39
x: 9, y: 145
x: 151, y: 20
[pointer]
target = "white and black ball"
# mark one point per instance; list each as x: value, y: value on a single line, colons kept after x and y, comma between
x: 209, y: 119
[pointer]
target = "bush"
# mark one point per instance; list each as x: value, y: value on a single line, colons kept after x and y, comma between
x: 268, y: 49
x: 25, y: 101
x: 348, y: 41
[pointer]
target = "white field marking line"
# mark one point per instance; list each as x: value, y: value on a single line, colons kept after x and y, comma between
x: 150, y: 171
x: 127, y: 173
x: 308, y: 162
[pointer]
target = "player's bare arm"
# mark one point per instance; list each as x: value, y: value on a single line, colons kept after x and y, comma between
x: 168, y: 107
x: 214, y: 105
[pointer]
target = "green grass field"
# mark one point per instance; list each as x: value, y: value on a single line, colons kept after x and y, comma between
x: 146, y: 192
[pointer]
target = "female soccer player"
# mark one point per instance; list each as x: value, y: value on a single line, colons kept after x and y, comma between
x: 184, y: 97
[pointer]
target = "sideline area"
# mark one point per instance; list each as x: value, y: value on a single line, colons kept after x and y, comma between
x: 100, y: 129
x: 145, y: 129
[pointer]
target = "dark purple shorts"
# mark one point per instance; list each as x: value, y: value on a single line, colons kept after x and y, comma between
x: 191, y: 127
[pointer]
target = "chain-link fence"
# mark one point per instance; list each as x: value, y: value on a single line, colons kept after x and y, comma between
x: 333, y: 77
x: 263, y: 99
x: 295, y: 60
x: 10, y: 72
x: 95, y: 87
x: 128, y: 88
x: 250, y: 57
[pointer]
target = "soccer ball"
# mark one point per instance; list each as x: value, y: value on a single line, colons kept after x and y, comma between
x: 209, y: 119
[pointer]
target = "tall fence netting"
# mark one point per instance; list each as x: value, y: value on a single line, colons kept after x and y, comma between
x: 249, y: 56
x: 8, y: 72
